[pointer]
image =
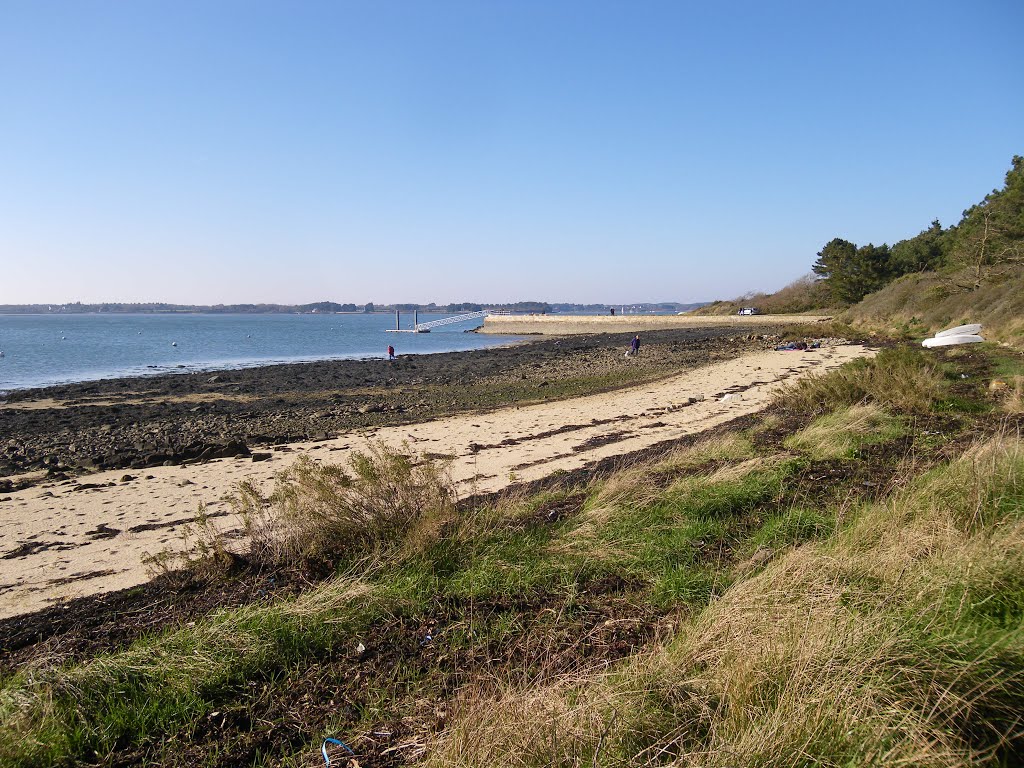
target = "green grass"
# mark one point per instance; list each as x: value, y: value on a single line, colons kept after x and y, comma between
x: 174, y: 678
x: 777, y: 671
x: 792, y: 527
x: 1007, y: 366
x: 841, y: 435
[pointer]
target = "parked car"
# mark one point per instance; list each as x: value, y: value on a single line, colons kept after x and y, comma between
x: 749, y: 311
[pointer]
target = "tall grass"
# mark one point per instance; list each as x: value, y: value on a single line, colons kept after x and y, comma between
x: 901, y: 378
x: 897, y: 642
x: 319, y: 512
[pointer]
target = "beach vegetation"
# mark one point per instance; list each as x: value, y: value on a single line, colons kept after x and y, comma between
x: 903, y: 378
x: 839, y: 435
x: 840, y: 584
x: 318, y: 513
x: 854, y: 649
x: 806, y: 295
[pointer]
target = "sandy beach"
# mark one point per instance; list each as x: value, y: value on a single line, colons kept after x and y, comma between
x: 76, y: 537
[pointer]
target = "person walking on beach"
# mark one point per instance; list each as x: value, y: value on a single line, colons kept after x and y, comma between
x: 391, y: 352
x: 634, y: 346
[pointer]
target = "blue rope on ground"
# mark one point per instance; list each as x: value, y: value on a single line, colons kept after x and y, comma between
x: 323, y: 750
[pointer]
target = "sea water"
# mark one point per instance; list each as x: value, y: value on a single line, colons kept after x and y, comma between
x: 39, y: 350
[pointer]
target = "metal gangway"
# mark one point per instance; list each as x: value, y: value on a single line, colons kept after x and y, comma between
x: 419, y: 327
x: 425, y: 327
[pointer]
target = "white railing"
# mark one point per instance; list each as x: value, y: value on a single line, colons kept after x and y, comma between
x: 456, y: 319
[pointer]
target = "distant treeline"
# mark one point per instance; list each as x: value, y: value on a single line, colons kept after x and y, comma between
x: 329, y: 307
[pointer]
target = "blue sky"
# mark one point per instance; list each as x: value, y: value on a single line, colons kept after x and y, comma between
x: 230, y: 151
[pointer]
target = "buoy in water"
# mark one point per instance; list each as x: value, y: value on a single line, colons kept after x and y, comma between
x: 174, y: 343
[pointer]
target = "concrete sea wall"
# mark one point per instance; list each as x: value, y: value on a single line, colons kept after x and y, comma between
x: 561, y: 325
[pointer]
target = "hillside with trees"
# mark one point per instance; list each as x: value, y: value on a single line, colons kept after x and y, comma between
x: 970, y: 271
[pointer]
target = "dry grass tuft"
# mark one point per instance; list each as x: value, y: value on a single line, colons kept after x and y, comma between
x: 840, y: 434
x: 317, y: 512
x: 1013, y: 398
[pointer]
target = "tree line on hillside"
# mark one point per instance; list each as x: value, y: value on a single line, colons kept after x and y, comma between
x: 987, y: 245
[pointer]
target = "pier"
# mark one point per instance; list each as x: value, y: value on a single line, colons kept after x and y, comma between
x: 418, y: 327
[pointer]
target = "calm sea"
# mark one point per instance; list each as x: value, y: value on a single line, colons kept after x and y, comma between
x: 39, y: 350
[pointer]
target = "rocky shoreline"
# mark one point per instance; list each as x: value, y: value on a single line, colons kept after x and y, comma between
x: 133, y: 423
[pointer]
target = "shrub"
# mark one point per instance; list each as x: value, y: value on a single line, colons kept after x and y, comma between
x: 806, y: 294
x: 318, y: 512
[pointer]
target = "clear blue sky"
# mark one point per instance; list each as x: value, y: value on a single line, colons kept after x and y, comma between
x: 233, y: 150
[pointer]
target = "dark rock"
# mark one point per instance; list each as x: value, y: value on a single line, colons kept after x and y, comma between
x: 103, y: 531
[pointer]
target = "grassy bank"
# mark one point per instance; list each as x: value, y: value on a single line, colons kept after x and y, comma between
x: 838, y: 582
x: 924, y: 302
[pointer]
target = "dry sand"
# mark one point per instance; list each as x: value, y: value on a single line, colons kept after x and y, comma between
x: 75, y: 538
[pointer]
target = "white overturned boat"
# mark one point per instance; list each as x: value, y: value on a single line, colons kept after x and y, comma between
x: 949, y: 341
x: 961, y: 334
x: 961, y: 330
